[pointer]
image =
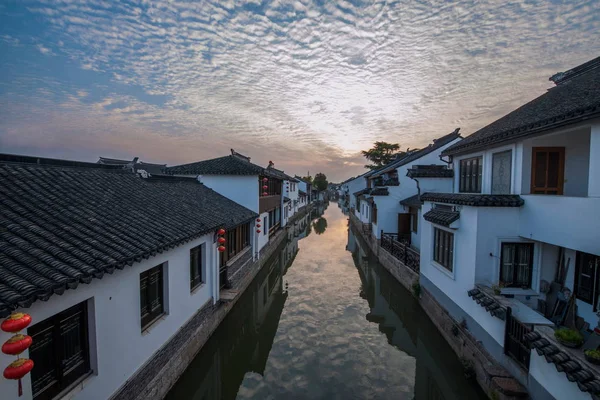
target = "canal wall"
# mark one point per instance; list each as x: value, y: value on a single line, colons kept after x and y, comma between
x: 154, y: 379
x: 493, y: 378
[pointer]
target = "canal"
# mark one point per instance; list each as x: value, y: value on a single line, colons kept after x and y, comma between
x: 323, y: 320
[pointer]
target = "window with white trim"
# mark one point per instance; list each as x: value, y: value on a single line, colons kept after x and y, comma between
x: 443, y: 248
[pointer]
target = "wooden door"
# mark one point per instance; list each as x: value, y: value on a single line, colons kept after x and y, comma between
x: 403, y: 224
x: 547, y: 170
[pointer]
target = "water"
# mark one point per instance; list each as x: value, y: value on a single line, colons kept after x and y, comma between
x: 323, y: 320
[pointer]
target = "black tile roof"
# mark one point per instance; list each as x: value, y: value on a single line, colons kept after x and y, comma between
x: 489, y: 302
x: 476, y: 200
x: 380, y: 191
x: 280, y: 174
x: 67, y: 224
x: 228, y: 165
x: 415, y: 155
x: 151, y: 168
x: 412, y: 201
x: 430, y: 171
x: 576, y: 98
x: 301, y: 193
x: 363, y: 191
x: 586, y: 377
x: 441, y: 217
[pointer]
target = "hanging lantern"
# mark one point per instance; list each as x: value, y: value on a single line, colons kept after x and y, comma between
x: 221, y: 249
x: 265, y: 179
x: 265, y: 194
x: 265, y: 187
x: 17, y: 344
x: 221, y: 240
x: 257, y: 219
x: 258, y: 231
x: 221, y: 232
x: 258, y: 225
x: 16, y: 322
x: 18, y: 368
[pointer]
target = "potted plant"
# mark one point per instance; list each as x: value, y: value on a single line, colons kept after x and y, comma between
x: 498, y: 288
x: 592, y: 356
x: 569, y: 337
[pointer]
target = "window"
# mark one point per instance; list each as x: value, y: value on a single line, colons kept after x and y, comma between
x: 151, y: 295
x: 470, y: 175
x: 195, y: 267
x: 501, y: 172
x: 273, y: 186
x: 547, y: 170
x: 374, y: 216
x: 516, y: 264
x: 587, y: 278
x: 265, y: 226
x: 231, y: 243
x: 60, y: 351
x: 414, y: 219
x: 443, y: 248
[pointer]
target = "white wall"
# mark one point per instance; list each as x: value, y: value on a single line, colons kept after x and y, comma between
x: 555, y: 383
x: 388, y: 208
x: 354, y: 186
x: 121, y: 348
x: 242, y: 189
x: 263, y: 238
x: 594, y: 171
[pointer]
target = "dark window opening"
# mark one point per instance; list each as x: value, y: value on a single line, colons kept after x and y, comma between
x: 471, y: 175
x: 443, y: 248
x: 195, y: 267
x: 60, y: 351
x: 587, y: 278
x: 414, y: 219
x: 238, y: 239
x: 516, y: 265
x: 151, y: 295
x: 273, y: 186
x: 547, y: 170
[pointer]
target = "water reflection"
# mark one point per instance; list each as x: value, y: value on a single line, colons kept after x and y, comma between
x: 438, y: 372
x: 320, y: 225
x: 320, y: 322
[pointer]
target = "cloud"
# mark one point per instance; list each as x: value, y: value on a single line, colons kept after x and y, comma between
x: 310, y: 82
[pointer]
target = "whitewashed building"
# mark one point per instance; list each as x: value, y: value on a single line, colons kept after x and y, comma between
x: 518, y: 236
x: 110, y: 264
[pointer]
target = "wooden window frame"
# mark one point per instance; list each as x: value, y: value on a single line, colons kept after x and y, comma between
x: 196, y: 264
x: 593, y: 301
x: 148, y: 319
x: 467, y: 181
x: 51, y: 328
x: 443, y: 253
x: 515, y: 272
x: 559, y: 189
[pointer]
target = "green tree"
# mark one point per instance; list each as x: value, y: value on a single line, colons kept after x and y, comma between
x: 320, y: 225
x: 307, y: 178
x: 380, y: 154
x: 320, y: 182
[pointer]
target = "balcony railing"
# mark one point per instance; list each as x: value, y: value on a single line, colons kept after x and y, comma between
x: 515, y: 344
x: 399, y: 247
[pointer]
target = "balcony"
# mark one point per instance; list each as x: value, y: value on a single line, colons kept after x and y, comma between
x: 267, y: 203
x: 571, y: 222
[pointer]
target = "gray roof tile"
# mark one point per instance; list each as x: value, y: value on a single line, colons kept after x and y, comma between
x: 441, y: 217
x: 476, y: 200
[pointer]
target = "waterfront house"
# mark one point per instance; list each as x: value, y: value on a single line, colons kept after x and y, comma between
x: 388, y: 202
x: 514, y: 248
x: 289, y: 199
x: 237, y: 178
x: 110, y: 264
x: 305, y: 187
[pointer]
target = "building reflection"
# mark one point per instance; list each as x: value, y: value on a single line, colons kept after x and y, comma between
x: 438, y: 372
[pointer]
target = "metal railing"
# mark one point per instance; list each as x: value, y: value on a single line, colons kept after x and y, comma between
x: 399, y: 247
x: 515, y: 345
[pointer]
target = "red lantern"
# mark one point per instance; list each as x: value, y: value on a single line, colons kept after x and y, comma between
x: 15, y: 322
x: 265, y: 187
x: 265, y: 194
x: 221, y: 240
x: 221, y: 249
x: 257, y: 219
x: 16, y: 344
x: 18, y: 368
x: 258, y: 225
x: 258, y: 231
x: 221, y: 232
x: 265, y: 179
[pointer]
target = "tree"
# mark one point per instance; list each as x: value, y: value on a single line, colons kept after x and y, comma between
x: 380, y: 154
x: 307, y: 178
x: 320, y: 182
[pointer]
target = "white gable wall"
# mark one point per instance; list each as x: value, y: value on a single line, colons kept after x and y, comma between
x: 243, y: 189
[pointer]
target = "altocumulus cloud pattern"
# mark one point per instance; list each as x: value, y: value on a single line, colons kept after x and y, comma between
x: 177, y: 81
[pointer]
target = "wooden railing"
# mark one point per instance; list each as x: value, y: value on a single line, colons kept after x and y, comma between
x: 515, y: 345
x: 399, y: 247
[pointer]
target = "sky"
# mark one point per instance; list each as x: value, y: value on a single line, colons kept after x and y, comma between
x: 306, y: 83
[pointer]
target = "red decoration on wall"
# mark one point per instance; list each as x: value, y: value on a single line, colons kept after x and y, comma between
x: 257, y: 219
x: 221, y: 249
x: 221, y: 240
x: 17, y: 344
x: 16, y: 322
x: 258, y: 231
x: 258, y: 225
x: 265, y: 187
x: 18, y: 368
x: 265, y: 194
x: 221, y: 232
x: 265, y: 179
